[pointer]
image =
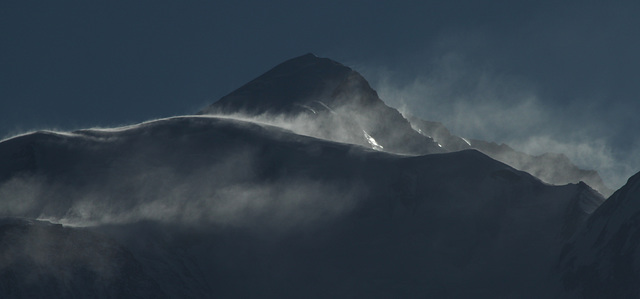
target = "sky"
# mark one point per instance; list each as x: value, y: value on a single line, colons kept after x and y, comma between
x: 539, y: 75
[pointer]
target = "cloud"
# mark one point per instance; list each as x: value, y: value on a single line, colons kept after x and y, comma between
x: 233, y: 183
x: 588, y: 153
x: 20, y: 194
x: 472, y: 101
x: 479, y: 102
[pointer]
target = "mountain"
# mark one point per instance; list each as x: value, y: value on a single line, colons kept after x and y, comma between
x: 325, y: 99
x: 302, y: 183
x: 549, y: 167
x: 602, y: 260
x: 203, y: 206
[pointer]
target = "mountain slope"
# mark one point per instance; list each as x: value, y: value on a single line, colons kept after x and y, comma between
x: 42, y: 260
x: 552, y: 168
x: 323, y: 98
x: 299, y: 186
x: 328, y: 100
x: 230, y: 208
x: 602, y: 261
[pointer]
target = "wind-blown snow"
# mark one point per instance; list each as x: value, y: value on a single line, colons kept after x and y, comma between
x: 372, y: 141
x: 289, y: 200
x: 243, y: 198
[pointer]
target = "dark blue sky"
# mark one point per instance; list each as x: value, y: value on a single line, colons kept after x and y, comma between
x: 574, y: 65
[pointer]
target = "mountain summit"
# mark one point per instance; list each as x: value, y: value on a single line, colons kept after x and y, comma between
x: 288, y: 87
x: 299, y: 84
x: 328, y: 100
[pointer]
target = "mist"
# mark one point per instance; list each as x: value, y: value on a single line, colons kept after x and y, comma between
x: 202, y: 201
x: 480, y: 102
x: 207, y: 176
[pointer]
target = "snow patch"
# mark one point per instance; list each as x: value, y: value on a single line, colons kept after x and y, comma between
x: 415, y: 128
x: 465, y: 140
x: 372, y: 141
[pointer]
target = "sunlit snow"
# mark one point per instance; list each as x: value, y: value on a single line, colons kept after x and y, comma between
x: 372, y: 141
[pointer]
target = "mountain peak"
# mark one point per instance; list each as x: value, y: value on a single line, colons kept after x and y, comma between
x: 337, y: 102
x: 308, y: 57
x: 286, y: 86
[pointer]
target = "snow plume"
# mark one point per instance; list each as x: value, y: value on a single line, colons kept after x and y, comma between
x: 340, y: 124
x: 614, y: 167
x: 478, y: 102
x: 328, y: 126
x: 474, y: 103
x: 220, y: 176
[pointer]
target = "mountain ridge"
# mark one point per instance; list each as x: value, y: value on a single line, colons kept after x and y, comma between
x: 259, y: 205
x: 217, y: 191
x: 326, y: 94
x: 332, y: 101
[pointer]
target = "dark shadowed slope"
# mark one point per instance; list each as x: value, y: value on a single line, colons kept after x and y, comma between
x: 603, y: 260
x: 216, y: 207
x: 43, y: 260
x: 287, y: 88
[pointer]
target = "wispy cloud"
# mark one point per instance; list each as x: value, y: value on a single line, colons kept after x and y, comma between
x: 481, y: 103
x: 230, y: 184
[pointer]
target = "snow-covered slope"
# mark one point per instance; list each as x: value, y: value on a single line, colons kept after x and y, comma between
x: 218, y: 207
x: 603, y: 259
